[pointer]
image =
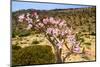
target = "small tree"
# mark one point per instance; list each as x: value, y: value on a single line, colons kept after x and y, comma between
x: 56, y: 31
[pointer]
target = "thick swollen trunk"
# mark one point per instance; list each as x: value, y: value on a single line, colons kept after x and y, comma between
x: 58, y: 56
x: 57, y: 51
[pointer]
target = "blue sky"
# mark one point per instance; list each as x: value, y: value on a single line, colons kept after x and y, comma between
x: 41, y: 6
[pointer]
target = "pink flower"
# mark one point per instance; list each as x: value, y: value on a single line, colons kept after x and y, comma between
x: 66, y: 31
x: 29, y: 26
x: 71, y: 39
x: 35, y: 13
x: 21, y: 17
x: 57, y: 28
x: 55, y: 31
x: 61, y: 23
x: 53, y: 22
x: 51, y: 19
x: 62, y: 33
x: 29, y: 20
x: 76, y: 49
x: 45, y: 20
x: 57, y: 21
x: 49, y: 30
x: 20, y: 20
x: 41, y: 24
x: 52, y: 31
x: 37, y: 20
x: 28, y: 14
x: 59, y: 45
x: 36, y: 16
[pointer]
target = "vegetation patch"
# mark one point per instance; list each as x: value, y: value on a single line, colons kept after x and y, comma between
x: 33, y: 55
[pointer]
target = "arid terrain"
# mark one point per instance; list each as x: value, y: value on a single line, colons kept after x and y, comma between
x: 83, y: 22
x: 27, y: 41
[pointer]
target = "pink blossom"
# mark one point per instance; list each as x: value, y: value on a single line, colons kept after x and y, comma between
x: 55, y: 31
x: 46, y: 20
x: 52, y: 31
x: 51, y: 19
x: 35, y: 13
x: 21, y: 17
x: 59, y: 45
x: 29, y: 26
x: 49, y: 30
x: 36, y: 16
x: 66, y: 31
x: 28, y: 14
x: 53, y: 22
x: 20, y: 20
x: 62, y: 33
x: 37, y: 20
x: 41, y: 24
x: 76, y: 49
x: 61, y: 23
x: 29, y: 20
x: 54, y: 27
x: 69, y: 31
x: 71, y: 39
x: 57, y: 21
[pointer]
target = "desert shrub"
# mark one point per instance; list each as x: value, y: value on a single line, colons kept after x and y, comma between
x: 24, y: 33
x: 79, y: 37
x: 88, y: 43
x: 33, y: 55
x: 14, y: 34
x: 15, y: 47
x: 87, y: 36
x: 93, y: 33
x: 82, y: 40
x: 35, y: 42
x: 20, y: 33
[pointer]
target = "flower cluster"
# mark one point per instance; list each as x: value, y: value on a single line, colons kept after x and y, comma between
x: 21, y: 17
x: 53, y: 21
x: 52, y: 31
x: 56, y: 28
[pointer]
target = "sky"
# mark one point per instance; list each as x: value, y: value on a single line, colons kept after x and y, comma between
x: 16, y: 5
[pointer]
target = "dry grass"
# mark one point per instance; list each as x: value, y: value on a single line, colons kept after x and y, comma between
x: 89, y: 49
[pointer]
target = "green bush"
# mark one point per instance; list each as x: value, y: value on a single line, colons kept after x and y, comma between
x: 24, y: 33
x: 88, y: 43
x: 35, y: 42
x: 93, y: 33
x: 13, y: 34
x: 15, y: 47
x: 20, y: 33
x: 33, y: 55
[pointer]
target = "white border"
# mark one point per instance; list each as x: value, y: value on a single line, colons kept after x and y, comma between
x: 86, y: 2
x: 5, y: 33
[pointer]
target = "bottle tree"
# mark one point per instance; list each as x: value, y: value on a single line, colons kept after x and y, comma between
x: 55, y: 30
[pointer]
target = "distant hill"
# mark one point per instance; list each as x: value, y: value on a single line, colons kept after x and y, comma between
x: 81, y: 19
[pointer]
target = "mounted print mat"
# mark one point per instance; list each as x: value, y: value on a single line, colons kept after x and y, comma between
x: 52, y: 33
